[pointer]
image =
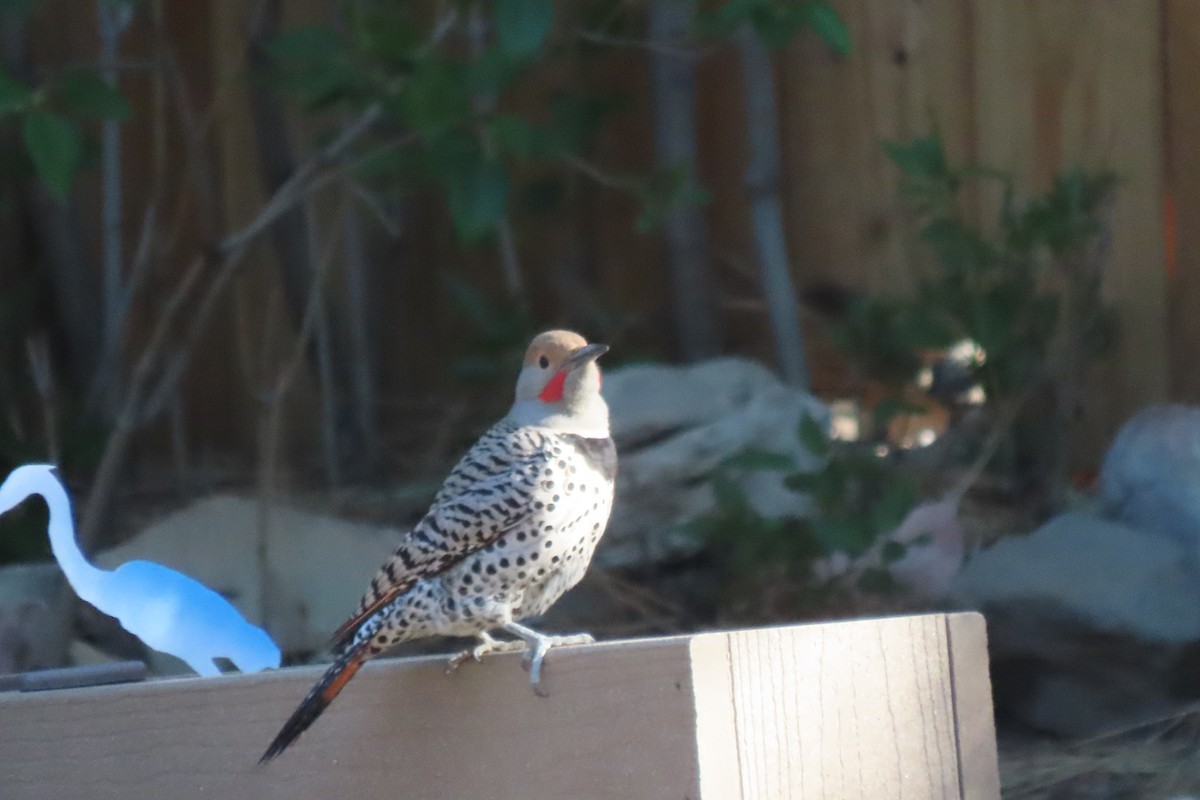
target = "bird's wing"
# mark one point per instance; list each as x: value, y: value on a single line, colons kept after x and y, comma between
x: 487, y: 494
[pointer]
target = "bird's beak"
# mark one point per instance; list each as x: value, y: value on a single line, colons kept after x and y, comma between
x: 585, y: 355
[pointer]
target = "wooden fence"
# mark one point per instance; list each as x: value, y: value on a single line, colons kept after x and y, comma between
x: 1029, y: 86
x: 869, y: 709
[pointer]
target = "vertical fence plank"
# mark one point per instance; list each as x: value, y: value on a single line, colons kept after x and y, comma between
x: 904, y: 77
x: 1182, y: 175
x: 1078, y: 83
x: 1034, y: 87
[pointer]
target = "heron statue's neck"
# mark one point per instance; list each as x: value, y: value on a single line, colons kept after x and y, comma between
x: 85, y: 579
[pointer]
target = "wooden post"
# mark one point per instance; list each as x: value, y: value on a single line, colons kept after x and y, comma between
x: 896, y: 707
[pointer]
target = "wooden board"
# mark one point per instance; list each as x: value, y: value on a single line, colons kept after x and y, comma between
x: 896, y: 707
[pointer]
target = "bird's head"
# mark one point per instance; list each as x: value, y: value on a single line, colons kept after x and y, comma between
x: 559, y: 385
x: 24, y: 481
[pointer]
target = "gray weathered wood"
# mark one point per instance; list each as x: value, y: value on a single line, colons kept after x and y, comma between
x: 869, y: 709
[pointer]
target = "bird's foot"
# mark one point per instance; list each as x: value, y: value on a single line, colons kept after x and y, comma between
x: 486, y: 646
x: 539, y: 644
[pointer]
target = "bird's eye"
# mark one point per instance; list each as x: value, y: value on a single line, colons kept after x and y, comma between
x: 543, y: 362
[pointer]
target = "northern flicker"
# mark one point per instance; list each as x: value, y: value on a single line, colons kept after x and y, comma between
x: 512, y: 528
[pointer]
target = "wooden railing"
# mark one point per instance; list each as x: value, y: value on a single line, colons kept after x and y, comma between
x: 873, y: 709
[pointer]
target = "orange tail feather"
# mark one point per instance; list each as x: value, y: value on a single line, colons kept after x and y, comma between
x: 317, y: 700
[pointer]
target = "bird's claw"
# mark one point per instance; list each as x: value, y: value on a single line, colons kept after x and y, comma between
x: 536, y: 654
x: 486, y: 646
x: 458, y: 659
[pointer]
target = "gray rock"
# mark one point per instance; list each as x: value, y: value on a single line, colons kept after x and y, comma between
x: 649, y: 400
x: 1092, y: 624
x: 1111, y: 577
x: 34, y: 625
x: 1151, y: 473
x: 318, y: 566
x: 674, y: 426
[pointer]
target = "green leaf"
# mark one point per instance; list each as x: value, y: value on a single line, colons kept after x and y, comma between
x: 435, y: 99
x: 753, y: 458
x: 803, y: 481
x: 478, y: 199
x: 839, y: 534
x: 893, y: 552
x: 926, y: 328
x: 665, y: 191
x: 391, y: 170
x: 877, y: 581
x: 924, y: 158
x: 544, y: 196
x: 325, y: 84
x: 452, y: 154
x: 314, y: 65
x: 827, y: 25
x: 699, y: 529
x: 776, y: 23
x: 384, y: 31
x: 499, y: 329
x: 493, y: 71
x: 14, y: 95
x: 725, y: 19
x: 729, y: 497
x: 578, y: 118
x: 314, y: 43
x: 520, y: 138
x: 897, y: 500
x: 813, y: 436
x: 87, y: 94
x: 18, y: 8
x: 958, y: 247
x: 54, y: 146
x: 522, y: 25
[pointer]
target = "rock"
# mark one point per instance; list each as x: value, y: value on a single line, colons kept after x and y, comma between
x: 318, y: 566
x: 83, y: 654
x: 1151, y: 474
x: 34, y: 626
x: 1110, y: 576
x: 674, y: 426
x: 647, y: 401
x: 1092, y: 624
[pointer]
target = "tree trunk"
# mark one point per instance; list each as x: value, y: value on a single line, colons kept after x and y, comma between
x: 762, y: 185
x: 697, y: 323
x: 292, y: 237
x: 359, y: 317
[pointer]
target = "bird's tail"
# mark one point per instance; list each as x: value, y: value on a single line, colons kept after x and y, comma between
x: 321, y: 695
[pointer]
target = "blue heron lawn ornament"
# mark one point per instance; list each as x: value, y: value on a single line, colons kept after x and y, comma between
x: 165, y: 609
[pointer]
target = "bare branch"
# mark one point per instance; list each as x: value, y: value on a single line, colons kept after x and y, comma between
x: 128, y: 417
x: 143, y: 402
x: 300, y: 184
x: 673, y: 83
x: 672, y: 48
x: 483, y: 104
x: 605, y: 179
x: 37, y: 349
x: 762, y: 181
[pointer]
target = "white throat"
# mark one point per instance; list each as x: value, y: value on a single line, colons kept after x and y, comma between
x: 588, y: 419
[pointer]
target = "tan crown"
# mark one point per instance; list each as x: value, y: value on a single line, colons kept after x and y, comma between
x: 556, y: 346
